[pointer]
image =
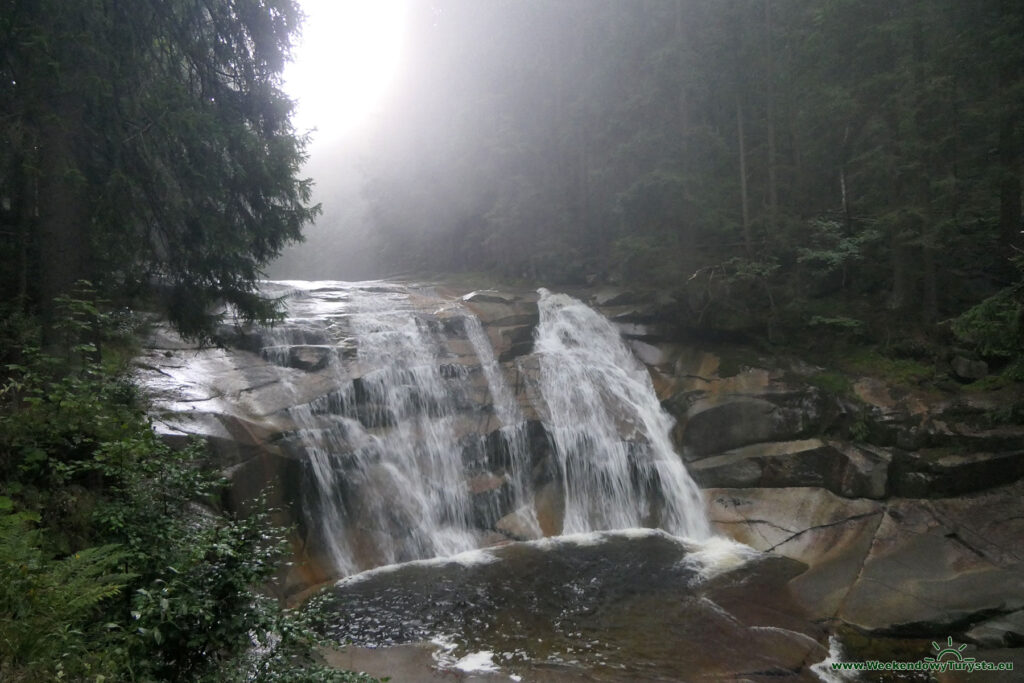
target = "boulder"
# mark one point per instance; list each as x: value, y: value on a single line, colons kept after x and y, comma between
x: 611, y: 296
x: 937, y: 473
x: 648, y: 354
x: 513, y: 342
x: 491, y: 496
x: 549, y: 504
x: 895, y: 416
x: 490, y: 296
x: 230, y: 439
x: 967, y: 369
x: 844, y: 469
x: 521, y: 525
x: 309, y: 358
x: 504, y: 315
x: 720, y: 424
x: 631, y: 331
x: 1006, y: 630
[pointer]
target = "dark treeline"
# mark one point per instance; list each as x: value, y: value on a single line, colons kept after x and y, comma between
x: 146, y: 147
x: 784, y: 161
x: 146, y: 154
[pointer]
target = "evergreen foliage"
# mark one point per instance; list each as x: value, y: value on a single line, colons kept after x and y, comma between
x: 995, y: 327
x: 146, y: 147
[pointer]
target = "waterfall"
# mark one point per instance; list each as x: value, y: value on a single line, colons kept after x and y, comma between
x: 513, y: 424
x: 400, y: 477
x: 415, y: 406
x: 616, y: 461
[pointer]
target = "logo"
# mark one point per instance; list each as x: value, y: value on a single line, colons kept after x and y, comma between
x: 948, y: 653
x: 947, y: 657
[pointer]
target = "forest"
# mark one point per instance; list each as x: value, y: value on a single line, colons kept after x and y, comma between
x: 853, y: 166
x: 147, y: 161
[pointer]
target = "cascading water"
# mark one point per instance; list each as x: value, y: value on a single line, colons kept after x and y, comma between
x: 513, y: 424
x: 383, y: 446
x: 597, y: 393
x: 397, y: 424
x: 390, y: 448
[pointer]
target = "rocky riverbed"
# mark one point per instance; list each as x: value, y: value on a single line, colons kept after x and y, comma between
x: 900, y: 509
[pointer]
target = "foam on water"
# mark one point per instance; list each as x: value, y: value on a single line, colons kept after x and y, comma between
x: 717, y: 555
x: 595, y: 538
x: 467, y: 558
x: 477, y: 661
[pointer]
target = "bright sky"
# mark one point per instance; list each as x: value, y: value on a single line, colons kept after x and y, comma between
x: 348, y: 55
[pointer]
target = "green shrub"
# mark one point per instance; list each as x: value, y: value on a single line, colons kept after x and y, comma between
x: 894, y: 370
x: 995, y: 327
x: 831, y: 382
x: 111, y: 568
x: 50, y: 607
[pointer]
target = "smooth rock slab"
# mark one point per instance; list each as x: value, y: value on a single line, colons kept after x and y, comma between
x: 936, y: 564
x: 908, y: 566
x: 829, y: 533
x: 719, y: 424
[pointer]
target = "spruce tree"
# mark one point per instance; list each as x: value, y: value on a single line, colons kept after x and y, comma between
x: 146, y: 146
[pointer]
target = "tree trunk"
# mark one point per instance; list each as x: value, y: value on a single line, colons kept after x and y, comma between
x: 901, y: 281
x: 744, y: 204
x: 1010, y: 183
x: 62, y: 237
x: 930, y: 305
x: 773, y: 189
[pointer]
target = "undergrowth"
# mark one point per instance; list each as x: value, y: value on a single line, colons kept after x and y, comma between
x: 113, y: 566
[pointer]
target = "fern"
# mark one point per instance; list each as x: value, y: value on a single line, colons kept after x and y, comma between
x: 46, y: 603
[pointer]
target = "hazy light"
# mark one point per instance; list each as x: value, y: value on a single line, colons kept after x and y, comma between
x: 348, y: 54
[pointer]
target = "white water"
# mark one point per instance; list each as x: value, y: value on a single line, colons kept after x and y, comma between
x: 823, y: 669
x: 385, y: 446
x: 409, y: 492
x: 513, y: 424
x: 597, y: 393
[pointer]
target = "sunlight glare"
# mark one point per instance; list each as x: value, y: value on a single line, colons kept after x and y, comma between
x: 347, y: 56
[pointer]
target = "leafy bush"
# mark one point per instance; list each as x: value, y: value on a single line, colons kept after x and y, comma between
x: 831, y: 382
x: 832, y: 249
x: 895, y: 370
x: 839, y: 323
x: 995, y: 327
x: 111, y: 568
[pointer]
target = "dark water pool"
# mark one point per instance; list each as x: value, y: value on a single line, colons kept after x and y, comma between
x: 613, y: 606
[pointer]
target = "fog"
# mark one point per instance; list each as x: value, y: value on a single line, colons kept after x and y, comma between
x: 731, y: 147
